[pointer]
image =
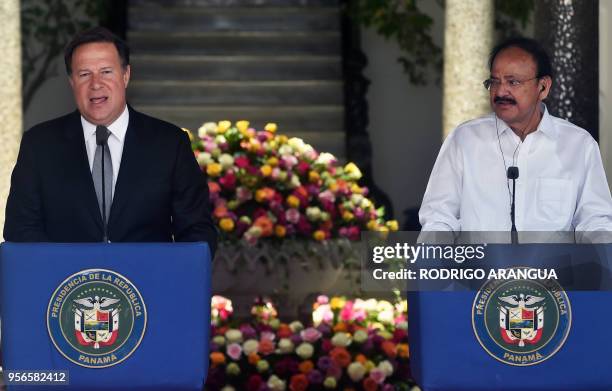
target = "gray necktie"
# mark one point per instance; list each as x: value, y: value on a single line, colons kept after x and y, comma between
x: 102, y: 134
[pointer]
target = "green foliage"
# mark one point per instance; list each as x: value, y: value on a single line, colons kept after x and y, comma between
x: 404, y: 22
x: 46, y: 27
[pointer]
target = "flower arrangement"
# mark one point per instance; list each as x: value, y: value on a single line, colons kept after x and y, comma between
x: 350, y: 345
x: 266, y: 185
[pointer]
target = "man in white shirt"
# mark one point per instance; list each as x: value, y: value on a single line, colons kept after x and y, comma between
x: 561, y: 184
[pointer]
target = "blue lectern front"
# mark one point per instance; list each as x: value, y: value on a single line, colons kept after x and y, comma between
x: 517, y: 334
x: 111, y: 316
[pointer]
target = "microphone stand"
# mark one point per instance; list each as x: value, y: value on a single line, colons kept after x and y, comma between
x: 513, y: 174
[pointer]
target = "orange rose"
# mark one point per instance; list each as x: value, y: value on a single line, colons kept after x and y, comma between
x: 254, y: 358
x: 361, y: 358
x: 403, y: 350
x: 389, y: 348
x: 280, y: 231
x: 217, y: 358
x: 266, y: 225
x: 266, y: 347
x: 298, y: 382
x: 220, y: 212
x: 340, y: 356
x: 340, y: 327
x: 284, y: 331
x: 306, y: 366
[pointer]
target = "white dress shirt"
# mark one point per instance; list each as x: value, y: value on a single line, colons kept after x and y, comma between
x: 115, y: 141
x: 561, y: 186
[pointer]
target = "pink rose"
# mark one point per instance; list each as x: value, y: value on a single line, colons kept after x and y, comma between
x: 234, y: 351
x: 241, y: 161
x: 292, y: 215
x: 378, y: 375
x: 243, y: 194
x: 310, y: 335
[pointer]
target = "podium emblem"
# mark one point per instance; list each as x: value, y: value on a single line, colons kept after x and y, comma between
x: 521, y: 322
x: 96, y: 318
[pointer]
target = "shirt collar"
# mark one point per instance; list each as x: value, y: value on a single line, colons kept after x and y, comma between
x: 118, y: 128
x: 546, y: 125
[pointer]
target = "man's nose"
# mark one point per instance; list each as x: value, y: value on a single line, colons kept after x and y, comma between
x: 94, y: 83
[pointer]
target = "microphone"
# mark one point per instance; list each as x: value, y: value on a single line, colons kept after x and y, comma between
x: 101, y: 139
x: 513, y: 173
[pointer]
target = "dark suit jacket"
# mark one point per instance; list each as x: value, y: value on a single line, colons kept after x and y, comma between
x: 160, y: 195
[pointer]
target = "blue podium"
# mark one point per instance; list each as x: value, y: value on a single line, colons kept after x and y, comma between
x: 514, y: 335
x: 113, y: 316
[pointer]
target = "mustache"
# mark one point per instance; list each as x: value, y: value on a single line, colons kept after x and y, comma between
x: 500, y: 99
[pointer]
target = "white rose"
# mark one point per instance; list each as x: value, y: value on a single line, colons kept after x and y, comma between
x: 233, y: 336
x: 250, y: 346
x: 297, y: 144
x: 285, y: 345
x: 219, y: 340
x: 305, y: 351
x: 296, y: 326
x: 386, y: 316
x: 341, y: 339
x: 356, y: 371
x: 386, y: 367
x: 226, y: 160
x: 204, y: 158
x: 325, y: 158
x: 276, y: 384
x: 209, y: 128
x: 295, y: 181
x: 360, y: 336
x: 285, y: 150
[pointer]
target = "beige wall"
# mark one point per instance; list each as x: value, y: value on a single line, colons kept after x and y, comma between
x: 10, y: 96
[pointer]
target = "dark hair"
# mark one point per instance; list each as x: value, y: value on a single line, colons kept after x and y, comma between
x: 96, y: 34
x: 531, y: 46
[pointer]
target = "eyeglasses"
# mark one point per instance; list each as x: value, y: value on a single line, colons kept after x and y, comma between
x: 493, y: 84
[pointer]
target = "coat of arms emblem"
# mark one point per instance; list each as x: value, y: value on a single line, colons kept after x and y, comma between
x: 96, y: 323
x: 521, y: 322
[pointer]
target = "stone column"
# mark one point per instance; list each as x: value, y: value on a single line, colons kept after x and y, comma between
x: 10, y: 95
x: 468, y: 40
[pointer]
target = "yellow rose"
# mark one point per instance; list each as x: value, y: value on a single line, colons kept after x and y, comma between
x: 282, y: 139
x: 319, y: 235
x: 392, y: 225
x: 266, y: 170
x: 242, y: 126
x: 260, y: 195
x: 293, y: 201
x: 356, y: 189
x: 226, y: 224
x: 371, y: 225
x: 353, y: 171
x: 213, y: 169
x: 271, y: 127
x: 273, y: 161
x: 347, y: 216
x: 223, y: 126
x: 313, y: 176
x: 337, y: 303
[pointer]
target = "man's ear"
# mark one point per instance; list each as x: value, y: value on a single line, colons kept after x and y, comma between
x: 545, y: 86
x: 126, y: 76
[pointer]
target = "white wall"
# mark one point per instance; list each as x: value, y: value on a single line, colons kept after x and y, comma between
x: 605, y: 84
x: 52, y: 99
x: 405, y: 120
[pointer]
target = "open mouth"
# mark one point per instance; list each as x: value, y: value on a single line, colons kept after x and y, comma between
x: 98, y: 100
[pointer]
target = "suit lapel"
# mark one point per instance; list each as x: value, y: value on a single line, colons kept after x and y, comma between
x: 132, y: 166
x: 78, y: 163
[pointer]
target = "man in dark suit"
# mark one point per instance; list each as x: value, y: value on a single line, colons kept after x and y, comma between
x: 154, y: 189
